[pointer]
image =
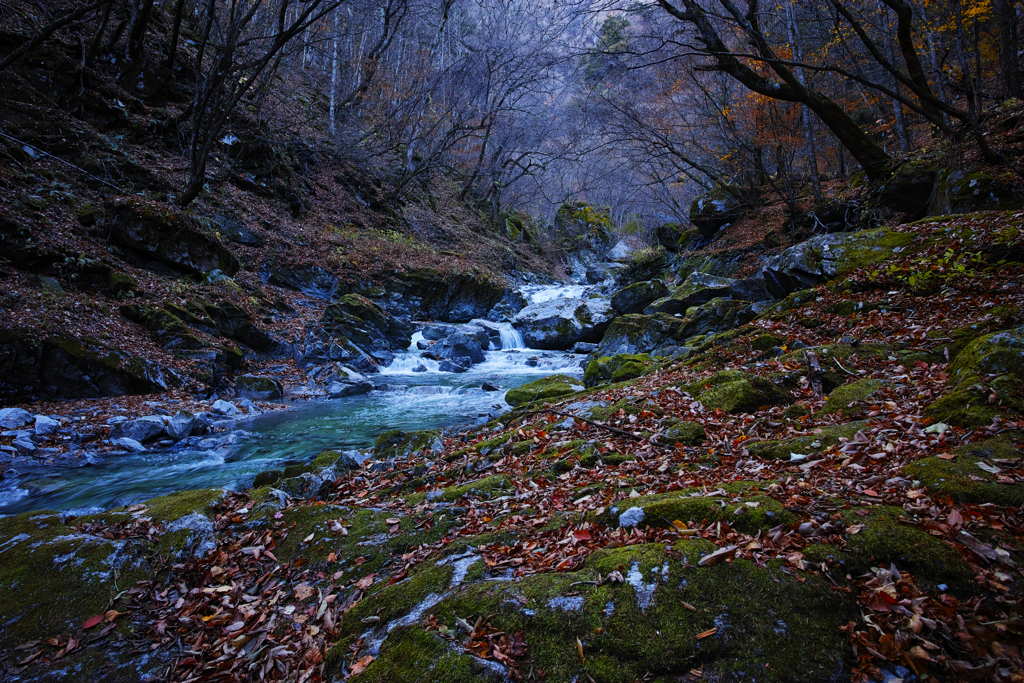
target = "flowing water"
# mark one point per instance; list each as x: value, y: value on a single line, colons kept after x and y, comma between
x: 414, y: 400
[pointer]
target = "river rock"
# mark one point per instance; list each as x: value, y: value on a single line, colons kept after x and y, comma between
x: 560, y: 323
x: 437, y: 332
x: 459, y: 346
x: 12, y: 418
x: 46, y: 426
x: 455, y: 364
x: 258, y: 388
x: 128, y: 444
x: 655, y: 334
x: 362, y: 322
x: 600, y: 272
x: 181, y: 426
x: 225, y: 408
x: 583, y: 347
x: 141, y: 429
x: 635, y: 297
x: 343, y: 388
x: 668, y: 235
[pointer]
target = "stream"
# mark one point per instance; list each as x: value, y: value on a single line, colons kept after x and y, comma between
x: 410, y: 401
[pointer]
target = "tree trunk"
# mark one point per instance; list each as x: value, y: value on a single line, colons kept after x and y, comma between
x: 1009, y: 62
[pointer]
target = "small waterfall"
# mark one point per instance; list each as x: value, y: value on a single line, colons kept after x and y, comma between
x: 416, y: 337
x: 510, y: 337
x: 538, y: 294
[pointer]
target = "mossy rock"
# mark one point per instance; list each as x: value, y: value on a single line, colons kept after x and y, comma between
x: 398, y: 444
x: 593, y: 458
x: 964, y: 481
x: 765, y: 342
x: 733, y: 391
x: 618, y: 368
x: 843, y: 399
x: 684, y: 432
x: 755, y: 512
x: 885, y: 540
x: 770, y: 625
x: 482, y: 488
x: 267, y: 478
x: 544, y: 389
x: 258, y: 388
x: 810, y: 445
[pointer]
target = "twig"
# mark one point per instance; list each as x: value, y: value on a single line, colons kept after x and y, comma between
x: 836, y: 361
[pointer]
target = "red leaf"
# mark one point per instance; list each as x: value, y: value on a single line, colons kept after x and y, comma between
x: 92, y: 621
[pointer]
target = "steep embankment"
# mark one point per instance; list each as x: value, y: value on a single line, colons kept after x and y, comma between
x: 825, y: 490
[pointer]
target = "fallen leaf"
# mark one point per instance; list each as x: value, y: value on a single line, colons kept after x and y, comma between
x: 579, y: 649
x: 92, y: 621
x: 360, y: 666
x: 720, y: 555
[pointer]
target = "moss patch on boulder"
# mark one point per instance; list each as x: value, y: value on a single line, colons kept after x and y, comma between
x: 844, y: 399
x: 543, y: 390
x: 812, y: 444
x: 733, y: 391
x: 963, y: 479
x: 395, y: 443
x: 618, y: 368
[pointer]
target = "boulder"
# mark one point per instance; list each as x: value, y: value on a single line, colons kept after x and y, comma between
x: 733, y: 391
x: 160, y: 232
x: 142, y: 429
x: 182, y: 426
x: 622, y: 252
x: 67, y: 367
x: 712, y: 212
x: 353, y: 387
x: 700, y: 288
x: 432, y: 294
x: 618, y: 368
x: 13, y: 418
x: 717, y: 315
x: 543, y: 390
x: 827, y: 256
x: 560, y: 323
x: 456, y: 364
x: 258, y: 388
x: 909, y: 189
x: 634, y: 298
x: 668, y: 235
x: 437, y: 332
x: 600, y: 272
x: 359, y: 320
x: 658, y: 334
x: 961, y: 192
x: 45, y: 426
x: 234, y: 322
x: 129, y: 444
x: 225, y: 408
x: 460, y: 346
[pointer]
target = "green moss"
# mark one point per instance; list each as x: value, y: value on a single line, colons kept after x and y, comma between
x: 733, y: 391
x: 482, y: 488
x: 267, y: 478
x: 764, y: 342
x: 53, y: 578
x: 811, y: 444
x: 966, y: 482
x: 967, y: 408
x: 593, y: 459
x: 176, y: 505
x: 756, y: 512
x: 326, y: 459
x: 684, y: 432
x: 618, y: 368
x: 840, y: 399
x: 885, y: 540
x: 543, y: 390
x: 398, y: 444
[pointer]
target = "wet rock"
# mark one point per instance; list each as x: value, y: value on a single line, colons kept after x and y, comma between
x: 181, y: 426
x: 618, y: 368
x: 258, y: 388
x: 490, y: 386
x: 458, y: 364
x: 622, y: 252
x: 341, y: 389
x: 601, y: 272
x: 583, y: 347
x: 560, y: 323
x: 12, y: 418
x: 437, y: 332
x: 142, y: 429
x: 458, y: 346
x: 128, y: 444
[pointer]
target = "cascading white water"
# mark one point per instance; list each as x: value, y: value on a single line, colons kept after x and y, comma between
x: 538, y: 294
x: 510, y: 337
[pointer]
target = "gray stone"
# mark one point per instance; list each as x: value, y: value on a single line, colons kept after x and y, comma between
x: 560, y: 323
x: 181, y: 426
x: 345, y: 388
x: 128, y: 444
x: 635, y: 297
x: 458, y: 345
x: 457, y: 364
x: 24, y: 444
x: 258, y: 388
x: 45, y: 426
x: 631, y: 517
x: 622, y: 252
x: 437, y: 332
x: 225, y: 408
x: 142, y: 429
x: 12, y: 418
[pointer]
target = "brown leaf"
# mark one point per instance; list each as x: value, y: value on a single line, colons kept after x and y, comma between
x: 720, y: 555
x: 705, y: 634
x: 360, y: 666
x: 579, y: 650
x: 92, y: 621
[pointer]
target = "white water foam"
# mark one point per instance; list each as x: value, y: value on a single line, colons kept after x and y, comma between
x: 538, y: 294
